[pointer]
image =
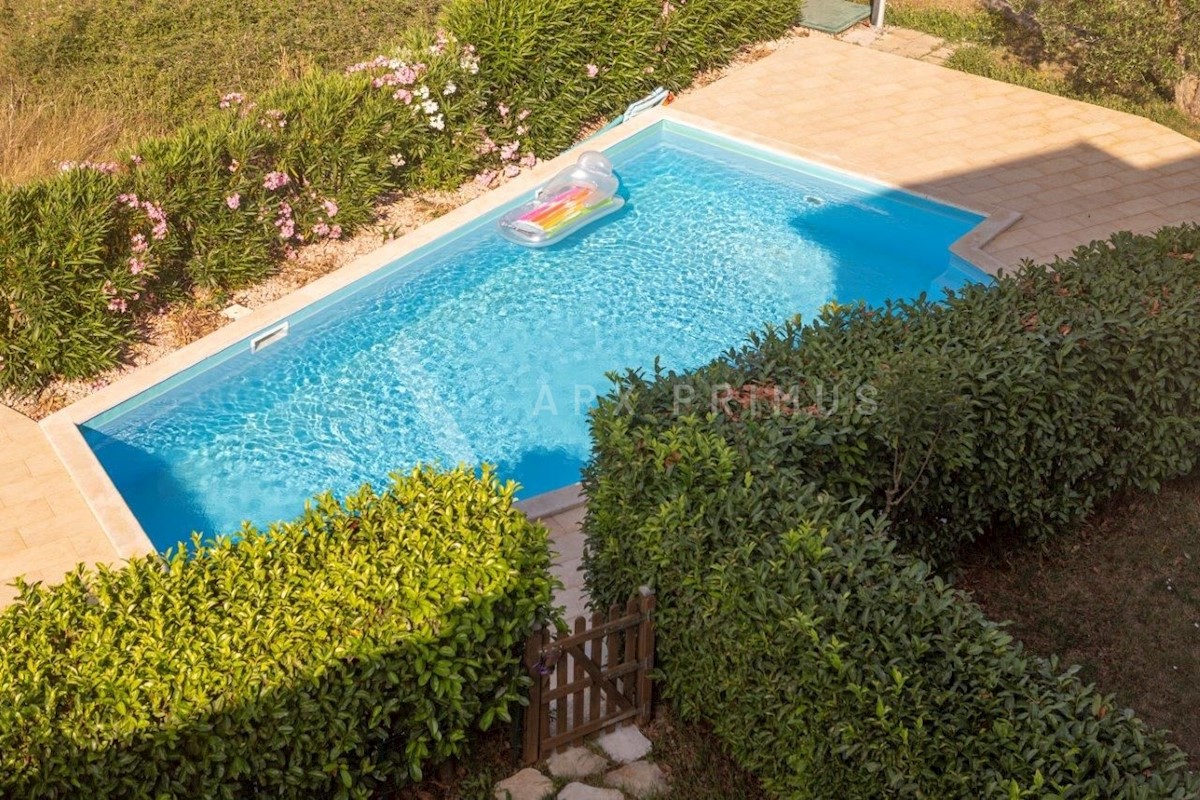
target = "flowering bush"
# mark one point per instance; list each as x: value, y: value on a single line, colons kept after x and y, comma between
x: 573, y: 62
x: 77, y: 258
x: 221, y: 202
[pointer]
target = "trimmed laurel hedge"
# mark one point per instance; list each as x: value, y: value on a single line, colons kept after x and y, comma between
x: 87, y: 253
x: 755, y: 494
x: 317, y: 659
x: 835, y: 667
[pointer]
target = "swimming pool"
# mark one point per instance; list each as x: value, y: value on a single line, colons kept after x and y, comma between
x: 475, y: 349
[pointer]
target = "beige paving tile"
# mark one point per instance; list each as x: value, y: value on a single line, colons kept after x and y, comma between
x: 59, y: 556
x: 11, y: 542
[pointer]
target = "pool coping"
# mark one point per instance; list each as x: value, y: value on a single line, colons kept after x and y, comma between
x: 106, y: 503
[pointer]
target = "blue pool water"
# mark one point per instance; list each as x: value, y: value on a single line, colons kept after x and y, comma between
x: 475, y: 349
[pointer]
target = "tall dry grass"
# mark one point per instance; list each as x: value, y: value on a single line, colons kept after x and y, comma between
x: 36, y: 134
x: 82, y: 78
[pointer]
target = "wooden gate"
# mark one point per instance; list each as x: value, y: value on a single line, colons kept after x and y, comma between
x: 590, y: 679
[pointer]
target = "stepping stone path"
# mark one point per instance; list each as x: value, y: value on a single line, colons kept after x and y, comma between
x: 578, y: 762
x: 581, y: 791
x: 615, y: 769
x: 625, y: 745
x: 528, y: 784
x: 640, y: 779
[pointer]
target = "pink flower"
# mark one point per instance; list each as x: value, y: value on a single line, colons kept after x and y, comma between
x: 667, y: 8
x: 403, y: 94
x: 512, y: 171
x: 396, y: 160
x: 524, y: 115
x: 486, y: 177
x: 234, y: 201
x: 509, y: 151
x: 276, y: 180
x: 522, y: 130
x: 592, y: 70
x: 331, y: 208
x: 320, y: 229
x: 378, y: 62
x: 285, y: 222
x: 486, y: 146
x: 119, y: 305
x: 277, y: 117
x: 503, y: 109
x: 528, y: 160
x: 233, y: 165
x: 136, y: 160
x: 335, y: 231
x: 136, y: 265
x: 231, y: 99
x: 137, y: 243
x: 129, y: 199
x: 156, y: 215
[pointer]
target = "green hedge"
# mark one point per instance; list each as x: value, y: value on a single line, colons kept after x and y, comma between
x: 86, y: 254
x: 320, y: 658
x: 1007, y: 409
x: 834, y: 666
x: 753, y: 495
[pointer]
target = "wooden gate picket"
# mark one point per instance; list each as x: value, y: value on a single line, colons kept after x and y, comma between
x: 590, y: 678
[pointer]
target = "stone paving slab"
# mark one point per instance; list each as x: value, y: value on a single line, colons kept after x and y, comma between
x: 46, y: 527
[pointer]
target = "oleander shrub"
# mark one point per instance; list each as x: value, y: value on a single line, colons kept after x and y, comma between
x: 1005, y: 409
x: 831, y: 664
x: 221, y: 202
x: 74, y: 264
x: 569, y: 63
x: 354, y: 645
x: 239, y: 191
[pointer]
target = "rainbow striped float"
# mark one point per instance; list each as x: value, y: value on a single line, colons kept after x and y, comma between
x: 577, y: 195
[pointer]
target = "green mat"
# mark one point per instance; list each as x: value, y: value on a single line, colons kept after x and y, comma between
x: 833, y: 16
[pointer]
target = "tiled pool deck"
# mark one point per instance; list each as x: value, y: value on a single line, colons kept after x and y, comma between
x: 1073, y: 172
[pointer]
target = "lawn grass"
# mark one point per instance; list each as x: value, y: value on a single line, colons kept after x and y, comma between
x: 1121, y: 599
x: 83, y: 76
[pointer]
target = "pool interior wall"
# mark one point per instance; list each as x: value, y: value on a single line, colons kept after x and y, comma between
x: 475, y: 349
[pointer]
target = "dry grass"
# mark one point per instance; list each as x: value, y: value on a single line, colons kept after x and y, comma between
x: 1121, y: 599
x: 36, y: 135
x: 80, y: 79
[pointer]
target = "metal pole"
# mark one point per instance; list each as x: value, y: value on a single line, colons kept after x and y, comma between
x: 877, y: 12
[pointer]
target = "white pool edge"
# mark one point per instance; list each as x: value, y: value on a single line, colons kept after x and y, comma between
x: 109, y: 507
